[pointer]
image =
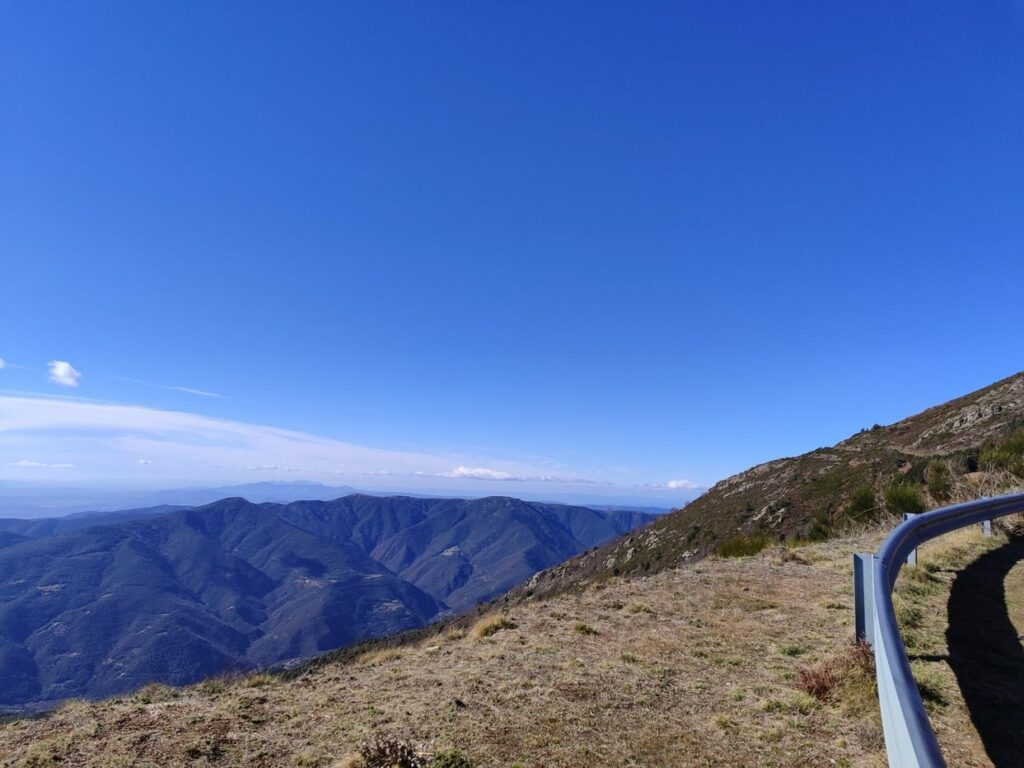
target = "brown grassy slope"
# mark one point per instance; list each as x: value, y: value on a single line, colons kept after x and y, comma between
x: 693, y: 666
x: 808, y: 495
x: 714, y: 664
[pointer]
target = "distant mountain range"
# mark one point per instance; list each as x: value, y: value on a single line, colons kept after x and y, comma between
x: 101, y: 604
x: 30, y: 501
x: 35, y: 501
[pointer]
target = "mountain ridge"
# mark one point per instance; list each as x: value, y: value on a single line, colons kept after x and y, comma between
x: 174, y: 597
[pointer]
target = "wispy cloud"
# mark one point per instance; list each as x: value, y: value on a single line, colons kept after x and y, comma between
x: 38, y: 464
x: 106, y: 440
x: 486, y: 473
x: 675, y: 485
x: 80, y: 440
x: 63, y: 373
x: 480, y: 473
x: 170, y: 387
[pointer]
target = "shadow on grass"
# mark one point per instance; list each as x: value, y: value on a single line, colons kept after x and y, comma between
x: 985, y: 653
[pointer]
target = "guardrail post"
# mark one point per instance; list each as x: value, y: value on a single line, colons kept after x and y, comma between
x: 912, y: 557
x: 986, y: 528
x: 864, y: 597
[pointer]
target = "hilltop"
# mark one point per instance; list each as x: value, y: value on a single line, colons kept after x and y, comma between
x: 922, y: 461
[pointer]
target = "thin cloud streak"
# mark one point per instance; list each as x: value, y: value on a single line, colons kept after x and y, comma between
x: 170, y: 387
x: 40, y: 464
x: 485, y: 473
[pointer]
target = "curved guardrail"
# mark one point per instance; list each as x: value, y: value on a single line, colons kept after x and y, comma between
x: 909, y: 739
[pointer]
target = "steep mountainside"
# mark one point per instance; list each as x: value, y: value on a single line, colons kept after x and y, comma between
x: 180, y: 596
x: 944, y: 452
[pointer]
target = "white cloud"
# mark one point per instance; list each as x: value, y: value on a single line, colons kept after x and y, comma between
x: 675, y: 485
x: 2, y: 363
x: 145, y: 461
x: 63, y: 373
x: 480, y: 473
x: 38, y: 464
x: 687, y: 485
x: 485, y: 473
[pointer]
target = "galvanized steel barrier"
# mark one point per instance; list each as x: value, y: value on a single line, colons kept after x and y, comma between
x: 909, y: 739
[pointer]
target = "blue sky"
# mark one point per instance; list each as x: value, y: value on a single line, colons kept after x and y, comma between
x: 614, y: 242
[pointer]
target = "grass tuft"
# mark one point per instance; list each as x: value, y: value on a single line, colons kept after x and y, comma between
x: 491, y: 625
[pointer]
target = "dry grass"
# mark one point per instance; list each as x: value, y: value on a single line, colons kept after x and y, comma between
x: 733, y: 662
x: 695, y: 666
x: 491, y: 625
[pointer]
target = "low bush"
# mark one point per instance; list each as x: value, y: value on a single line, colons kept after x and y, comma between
x: 1006, y: 454
x: 386, y: 751
x: 853, y: 667
x: 742, y: 546
x: 901, y: 499
x: 940, y: 483
x: 450, y: 758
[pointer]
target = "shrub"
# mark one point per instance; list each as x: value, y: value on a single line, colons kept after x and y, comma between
x: 903, y: 499
x: 742, y: 546
x: 862, y: 501
x: 584, y: 629
x: 385, y: 751
x: 1006, y: 454
x: 450, y: 758
x: 969, y: 460
x: 821, y: 527
x: 853, y: 665
x: 940, y: 484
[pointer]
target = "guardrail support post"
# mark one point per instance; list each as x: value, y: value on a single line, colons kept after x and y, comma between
x: 912, y: 557
x: 863, y: 597
x: 986, y: 528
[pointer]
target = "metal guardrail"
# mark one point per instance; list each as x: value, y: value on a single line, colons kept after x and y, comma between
x: 909, y: 739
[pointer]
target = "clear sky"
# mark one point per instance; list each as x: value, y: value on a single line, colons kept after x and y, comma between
x: 628, y: 243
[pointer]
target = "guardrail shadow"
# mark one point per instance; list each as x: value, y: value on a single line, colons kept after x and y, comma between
x: 986, y: 655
